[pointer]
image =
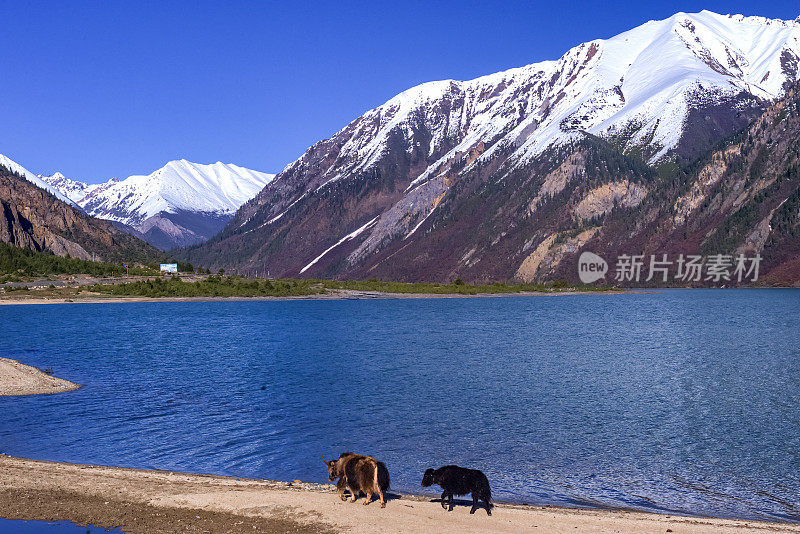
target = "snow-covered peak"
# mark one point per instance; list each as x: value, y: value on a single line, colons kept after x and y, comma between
x: 642, y: 83
x: 759, y: 21
x: 34, y: 179
x: 72, y: 189
x: 180, y: 185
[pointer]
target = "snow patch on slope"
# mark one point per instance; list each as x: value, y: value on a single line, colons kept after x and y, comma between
x: 349, y: 236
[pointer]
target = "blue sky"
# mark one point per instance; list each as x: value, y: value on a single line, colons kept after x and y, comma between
x: 102, y: 89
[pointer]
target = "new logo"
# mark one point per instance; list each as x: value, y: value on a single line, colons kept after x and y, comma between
x: 591, y: 267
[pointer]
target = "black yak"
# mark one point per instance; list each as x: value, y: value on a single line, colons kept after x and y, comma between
x: 456, y: 480
x: 359, y: 473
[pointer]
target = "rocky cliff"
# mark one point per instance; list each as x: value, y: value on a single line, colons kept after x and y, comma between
x: 34, y: 218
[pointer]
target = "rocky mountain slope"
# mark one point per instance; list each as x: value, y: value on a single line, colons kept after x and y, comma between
x: 35, y: 218
x: 468, y: 179
x: 36, y: 180
x: 180, y: 204
x: 742, y: 198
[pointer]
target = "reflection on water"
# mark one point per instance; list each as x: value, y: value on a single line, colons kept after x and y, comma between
x: 684, y: 401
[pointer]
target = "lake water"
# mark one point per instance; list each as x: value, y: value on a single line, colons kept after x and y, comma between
x: 681, y: 402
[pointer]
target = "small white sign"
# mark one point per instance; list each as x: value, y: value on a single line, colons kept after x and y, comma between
x: 169, y: 267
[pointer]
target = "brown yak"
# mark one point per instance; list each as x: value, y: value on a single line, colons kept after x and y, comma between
x: 359, y: 473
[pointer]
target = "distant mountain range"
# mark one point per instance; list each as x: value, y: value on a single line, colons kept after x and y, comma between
x: 180, y: 204
x: 511, y: 175
x: 680, y: 136
x: 34, y: 217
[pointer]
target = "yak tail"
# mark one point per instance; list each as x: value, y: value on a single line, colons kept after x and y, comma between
x: 381, y: 476
x: 488, y: 495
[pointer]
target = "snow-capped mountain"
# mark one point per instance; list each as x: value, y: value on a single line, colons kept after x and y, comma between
x: 666, y: 91
x: 639, y: 86
x: 72, y: 189
x: 179, y: 204
x: 35, y: 218
x: 180, y: 185
x: 34, y: 179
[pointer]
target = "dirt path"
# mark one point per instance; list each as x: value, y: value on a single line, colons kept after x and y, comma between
x: 156, y: 501
x: 20, y: 379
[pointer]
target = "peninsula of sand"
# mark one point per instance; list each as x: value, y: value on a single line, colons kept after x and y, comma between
x: 20, y: 379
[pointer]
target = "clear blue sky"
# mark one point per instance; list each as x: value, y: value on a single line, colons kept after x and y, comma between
x: 105, y: 88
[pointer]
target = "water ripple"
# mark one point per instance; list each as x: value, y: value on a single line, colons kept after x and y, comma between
x: 685, y: 402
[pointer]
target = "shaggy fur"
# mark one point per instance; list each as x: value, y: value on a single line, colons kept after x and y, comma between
x: 456, y: 480
x: 359, y: 473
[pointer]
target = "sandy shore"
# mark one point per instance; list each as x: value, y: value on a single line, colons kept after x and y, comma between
x: 85, y: 298
x: 159, y: 501
x: 20, y: 379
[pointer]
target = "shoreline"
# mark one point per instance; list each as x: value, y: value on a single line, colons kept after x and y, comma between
x: 342, y: 294
x: 156, y: 501
x: 18, y: 379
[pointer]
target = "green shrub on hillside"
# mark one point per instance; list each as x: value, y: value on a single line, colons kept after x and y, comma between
x: 235, y: 286
x: 213, y: 286
x: 457, y: 287
x: 16, y: 261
